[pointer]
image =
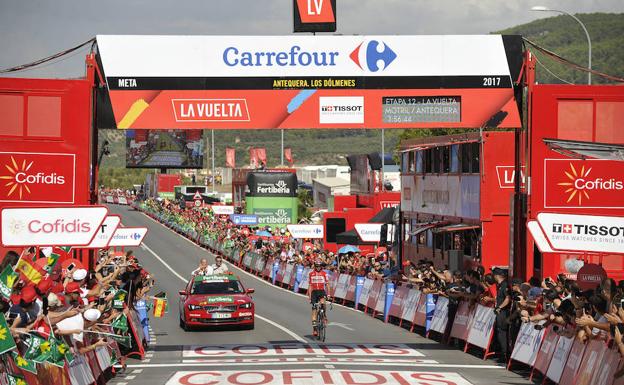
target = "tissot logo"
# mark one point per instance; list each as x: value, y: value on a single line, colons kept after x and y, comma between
x: 583, y: 229
x: 341, y: 109
x: 36, y: 177
x: 367, y: 55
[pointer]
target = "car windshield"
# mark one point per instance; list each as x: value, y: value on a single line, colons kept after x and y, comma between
x: 217, y: 287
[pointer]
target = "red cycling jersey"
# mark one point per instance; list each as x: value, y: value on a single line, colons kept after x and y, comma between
x: 318, y: 280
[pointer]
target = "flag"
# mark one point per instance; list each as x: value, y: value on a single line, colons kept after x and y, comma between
x: 230, y: 157
x: 120, y: 323
x: 160, y: 307
x: 122, y: 340
x: 44, y: 351
x: 24, y: 364
x: 58, y: 350
x: 288, y: 155
x: 28, y: 269
x: 6, y: 339
x: 119, y: 299
x: 33, y: 343
x: 53, y: 254
x: 261, y: 155
x: 42, y: 328
x: 15, y: 380
x: 114, y: 358
x: 253, y: 157
x: 7, y: 280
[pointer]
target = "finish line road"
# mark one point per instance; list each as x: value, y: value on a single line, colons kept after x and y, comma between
x: 359, y: 349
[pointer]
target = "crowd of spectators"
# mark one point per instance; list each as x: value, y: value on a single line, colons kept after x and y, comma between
x: 584, y: 314
x: 85, y: 309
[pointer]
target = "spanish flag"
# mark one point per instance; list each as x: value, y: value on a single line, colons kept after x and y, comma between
x: 160, y: 306
x: 28, y: 269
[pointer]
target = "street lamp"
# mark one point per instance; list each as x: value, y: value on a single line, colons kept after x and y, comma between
x: 541, y: 8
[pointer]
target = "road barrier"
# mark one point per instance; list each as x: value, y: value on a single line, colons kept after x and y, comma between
x: 562, y: 360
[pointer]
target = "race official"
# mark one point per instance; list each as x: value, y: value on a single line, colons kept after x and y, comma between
x: 503, y: 305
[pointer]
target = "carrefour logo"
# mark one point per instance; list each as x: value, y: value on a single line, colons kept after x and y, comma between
x: 368, y: 56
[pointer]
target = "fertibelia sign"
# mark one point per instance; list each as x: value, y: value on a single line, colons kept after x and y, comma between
x: 58, y: 226
x: 105, y: 232
x: 306, y: 231
x: 569, y: 232
x: 128, y: 236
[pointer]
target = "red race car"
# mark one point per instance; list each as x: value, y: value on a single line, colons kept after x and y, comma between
x: 216, y: 300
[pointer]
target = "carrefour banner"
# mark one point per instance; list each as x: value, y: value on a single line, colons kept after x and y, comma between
x: 311, y: 81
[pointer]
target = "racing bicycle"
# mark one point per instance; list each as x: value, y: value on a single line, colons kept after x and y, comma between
x: 321, y: 320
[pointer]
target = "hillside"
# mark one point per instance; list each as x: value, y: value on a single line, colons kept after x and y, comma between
x: 560, y: 34
x: 564, y: 36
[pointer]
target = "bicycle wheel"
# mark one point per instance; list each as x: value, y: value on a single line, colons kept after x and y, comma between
x: 320, y: 322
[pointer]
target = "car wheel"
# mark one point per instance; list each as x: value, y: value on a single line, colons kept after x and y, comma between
x: 183, y: 325
x: 250, y: 326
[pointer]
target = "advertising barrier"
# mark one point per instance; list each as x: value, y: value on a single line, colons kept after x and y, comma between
x: 482, y: 328
x: 462, y: 321
x: 396, y: 307
x: 573, y: 363
x: 410, y: 304
x: 440, y: 315
x: 546, y: 351
x: 559, y: 358
x: 366, y: 291
x: 527, y: 343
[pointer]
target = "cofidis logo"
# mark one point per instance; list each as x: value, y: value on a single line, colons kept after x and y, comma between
x: 583, y: 183
x: 37, y: 177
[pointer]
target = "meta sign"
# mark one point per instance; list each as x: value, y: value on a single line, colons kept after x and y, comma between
x: 584, y: 233
x: 59, y: 226
x: 37, y: 177
x: 314, y: 15
x: 306, y: 231
x: 128, y: 236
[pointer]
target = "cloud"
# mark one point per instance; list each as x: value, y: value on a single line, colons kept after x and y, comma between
x: 34, y: 29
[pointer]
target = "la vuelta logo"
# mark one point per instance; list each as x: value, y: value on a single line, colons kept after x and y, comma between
x: 583, y: 183
x: 37, y: 177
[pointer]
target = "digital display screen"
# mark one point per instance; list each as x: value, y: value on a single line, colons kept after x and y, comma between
x: 164, y: 149
x: 421, y: 109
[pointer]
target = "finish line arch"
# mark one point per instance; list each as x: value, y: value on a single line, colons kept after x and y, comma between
x: 308, y: 82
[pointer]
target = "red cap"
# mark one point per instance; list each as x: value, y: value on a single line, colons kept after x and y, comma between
x: 72, y: 287
x: 29, y: 294
x: 45, y: 285
x: 15, y: 298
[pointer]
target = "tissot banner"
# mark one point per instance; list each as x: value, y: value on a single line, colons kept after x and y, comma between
x: 583, y: 233
x: 265, y: 82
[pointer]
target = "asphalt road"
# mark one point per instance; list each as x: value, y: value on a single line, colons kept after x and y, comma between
x: 360, y: 350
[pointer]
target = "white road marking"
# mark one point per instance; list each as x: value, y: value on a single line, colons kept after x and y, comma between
x: 330, y: 367
x: 281, y: 327
x: 137, y: 371
x: 130, y: 377
x: 340, y: 325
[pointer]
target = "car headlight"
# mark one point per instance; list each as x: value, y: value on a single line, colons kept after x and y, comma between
x: 194, y: 307
x: 247, y: 305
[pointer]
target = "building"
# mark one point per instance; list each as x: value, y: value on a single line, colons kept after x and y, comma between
x: 324, y: 190
x: 456, y: 198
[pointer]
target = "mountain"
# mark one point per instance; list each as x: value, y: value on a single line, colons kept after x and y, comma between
x: 565, y: 37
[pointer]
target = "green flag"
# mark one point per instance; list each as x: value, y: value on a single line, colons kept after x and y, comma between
x: 24, y: 364
x: 33, y: 343
x: 16, y: 380
x: 58, y: 349
x: 7, y: 280
x: 114, y: 358
x: 44, y: 352
x: 6, y: 339
x: 120, y: 323
x: 119, y: 299
x: 122, y: 340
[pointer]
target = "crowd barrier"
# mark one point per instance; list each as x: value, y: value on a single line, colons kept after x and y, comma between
x: 93, y: 367
x: 118, y: 199
x: 562, y: 360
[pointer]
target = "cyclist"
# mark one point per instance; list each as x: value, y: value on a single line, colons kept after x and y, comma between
x: 317, y: 289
